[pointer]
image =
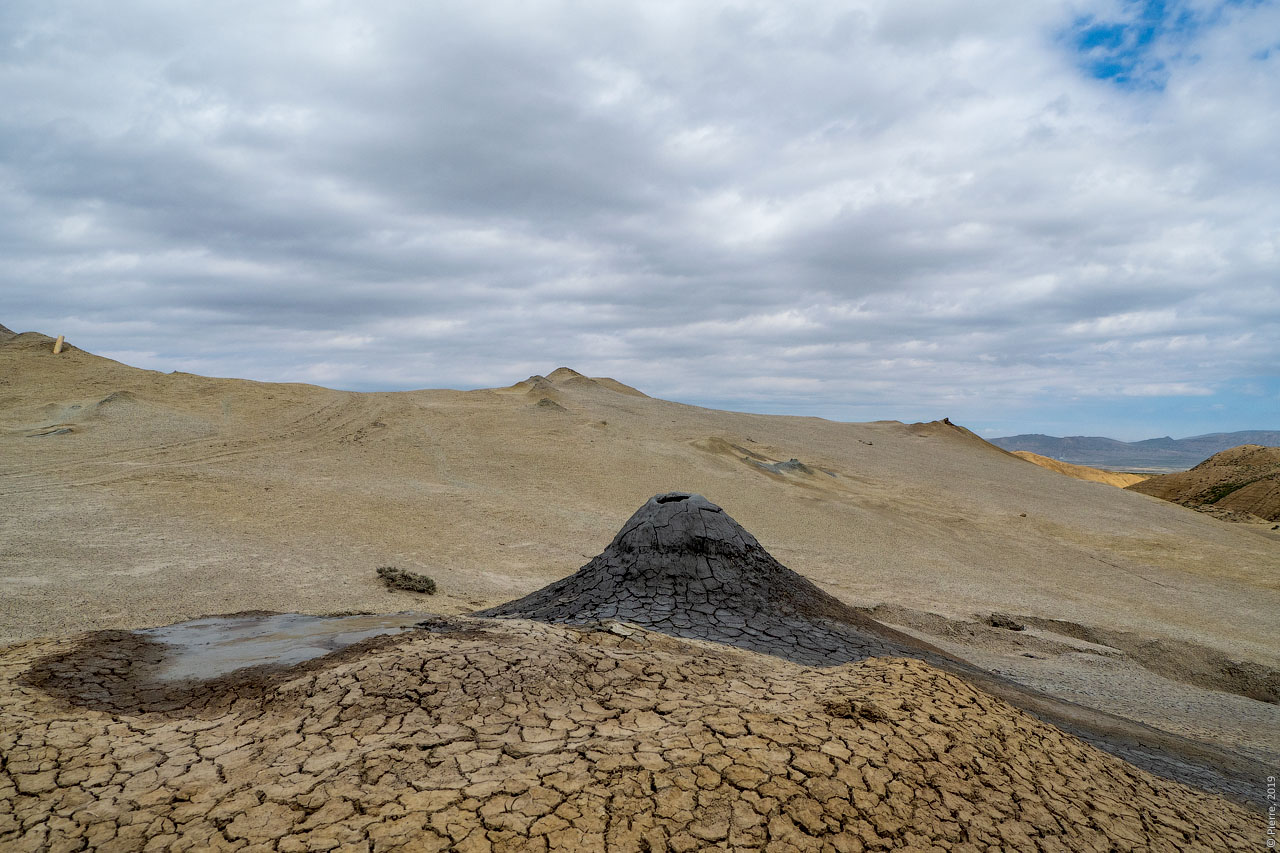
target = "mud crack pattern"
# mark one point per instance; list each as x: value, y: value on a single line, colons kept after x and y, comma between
x: 510, y: 735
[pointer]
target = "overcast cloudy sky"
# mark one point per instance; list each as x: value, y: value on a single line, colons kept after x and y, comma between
x: 1056, y: 217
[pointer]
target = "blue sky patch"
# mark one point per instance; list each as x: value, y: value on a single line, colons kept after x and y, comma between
x: 1134, y: 49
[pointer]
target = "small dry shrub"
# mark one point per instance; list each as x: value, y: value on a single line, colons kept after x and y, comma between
x: 400, y: 579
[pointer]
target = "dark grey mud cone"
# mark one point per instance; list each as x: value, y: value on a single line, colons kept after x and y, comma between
x: 681, y: 565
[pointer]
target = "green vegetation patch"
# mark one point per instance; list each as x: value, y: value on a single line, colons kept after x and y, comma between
x: 1220, y: 491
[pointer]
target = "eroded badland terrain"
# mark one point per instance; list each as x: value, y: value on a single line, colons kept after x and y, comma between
x: 990, y: 655
x: 1243, y: 480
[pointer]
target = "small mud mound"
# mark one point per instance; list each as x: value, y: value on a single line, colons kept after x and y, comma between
x: 6, y: 333
x: 505, y: 736
x: 758, y: 461
x: 535, y: 384
x: 121, y: 414
x: 681, y: 565
x: 793, y: 466
x: 945, y: 427
x: 549, y: 405
x: 564, y: 374
x: 565, y: 377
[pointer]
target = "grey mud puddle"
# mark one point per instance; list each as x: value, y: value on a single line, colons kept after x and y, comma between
x: 218, y: 645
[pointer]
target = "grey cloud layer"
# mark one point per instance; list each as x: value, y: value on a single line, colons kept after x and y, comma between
x: 789, y: 205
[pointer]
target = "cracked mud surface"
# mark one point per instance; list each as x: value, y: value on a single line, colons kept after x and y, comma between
x: 683, y: 566
x: 512, y: 734
x: 581, y: 733
x: 517, y: 735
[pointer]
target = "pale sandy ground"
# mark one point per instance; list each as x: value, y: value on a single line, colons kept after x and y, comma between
x: 174, y: 496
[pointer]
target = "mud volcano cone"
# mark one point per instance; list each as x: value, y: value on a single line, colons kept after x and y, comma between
x: 681, y: 565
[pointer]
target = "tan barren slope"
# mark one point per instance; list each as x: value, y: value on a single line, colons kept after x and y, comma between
x: 1243, y: 479
x: 137, y: 498
x: 134, y: 498
x: 1082, y: 472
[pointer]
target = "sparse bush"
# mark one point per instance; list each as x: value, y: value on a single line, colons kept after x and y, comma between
x: 396, y: 578
x: 1221, y: 490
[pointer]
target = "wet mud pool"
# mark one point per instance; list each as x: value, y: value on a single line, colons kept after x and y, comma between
x: 215, y: 646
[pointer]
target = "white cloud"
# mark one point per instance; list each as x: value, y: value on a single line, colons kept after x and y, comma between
x: 803, y: 204
x: 1166, y: 389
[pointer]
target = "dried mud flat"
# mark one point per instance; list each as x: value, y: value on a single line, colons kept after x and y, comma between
x: 136, y: 499
x: 509, y: 734
x: 513, y: 735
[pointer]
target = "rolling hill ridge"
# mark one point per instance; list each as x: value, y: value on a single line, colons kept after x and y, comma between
x: 1154, y: 455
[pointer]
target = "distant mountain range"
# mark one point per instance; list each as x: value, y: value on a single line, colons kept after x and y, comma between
x: 1153, y: 454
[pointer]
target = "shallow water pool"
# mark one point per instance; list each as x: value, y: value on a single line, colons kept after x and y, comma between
x: 218, y: 645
